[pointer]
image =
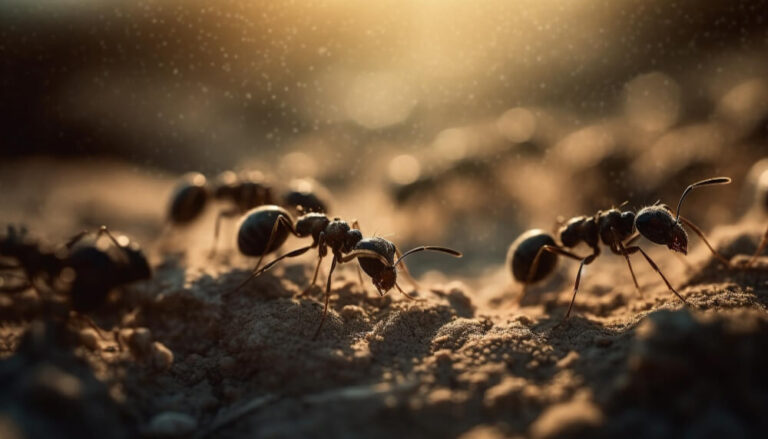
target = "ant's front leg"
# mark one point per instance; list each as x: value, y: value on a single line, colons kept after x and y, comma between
x: 698, y: 231
x: 634, y: 249
x: 586, y: 261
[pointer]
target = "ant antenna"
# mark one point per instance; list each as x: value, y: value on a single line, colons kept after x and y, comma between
x: 707, y: 182
x: 431, y: 248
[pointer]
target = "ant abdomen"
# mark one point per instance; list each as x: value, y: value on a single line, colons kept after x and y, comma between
x: 189, y: 199
x: 256, y: 228
x: 522, y: 253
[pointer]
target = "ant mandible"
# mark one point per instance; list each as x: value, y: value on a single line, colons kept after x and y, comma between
x: 376, y: 256
x: 533, y: 255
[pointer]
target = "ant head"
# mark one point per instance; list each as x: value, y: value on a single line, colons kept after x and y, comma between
x: 657, y: 224
x: 383, y: 276
x: 385, y: 279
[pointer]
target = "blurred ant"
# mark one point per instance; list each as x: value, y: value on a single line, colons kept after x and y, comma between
x: 243, y: 191
x: 306, y: 196
x: 762, y: 202
x: 193, y: 193
x: 533, y: 255
x: 84, y: 272
x: 266, y: 228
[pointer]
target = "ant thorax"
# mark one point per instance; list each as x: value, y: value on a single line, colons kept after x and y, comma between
x: 311, y: 224
x: 615, y: 226
x: 338, y: 236
x: 578, y: 229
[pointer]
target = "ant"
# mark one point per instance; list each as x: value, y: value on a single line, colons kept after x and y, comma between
x: 193, y: 193
x: 243, y: 191
x: 84, y: 272
x: 266, y: 228
x: 762, y: 201
x: 305, y: 196
x: 533, y: 255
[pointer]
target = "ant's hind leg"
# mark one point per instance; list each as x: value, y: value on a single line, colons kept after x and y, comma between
x: 281, y: 220
x: 586, y: 261
x: 327, y: 299
x: 760, y: 248
x: 535, y: 265
x: 257, y: 272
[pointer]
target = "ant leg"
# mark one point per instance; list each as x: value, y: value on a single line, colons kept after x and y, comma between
x: 230, y: 213
x: 656, y: 268
x: 320, y: 255
x: 314, y: 277
x: 535, y: 265
x: 632, y: 239
x: 327, y: 298
x: 586, y: 261
x: 356, y: 225
x: 280, y: 220
x: 760, y: 248
x: 406, y: 272
x: 623, y: 251
x: 257, y: 273
x: 698, y: 231
x: 404, y: 293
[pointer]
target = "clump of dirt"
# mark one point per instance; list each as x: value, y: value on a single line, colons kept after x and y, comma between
x: 188, y: 353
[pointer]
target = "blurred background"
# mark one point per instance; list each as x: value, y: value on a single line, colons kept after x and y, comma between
x: 431, y: 121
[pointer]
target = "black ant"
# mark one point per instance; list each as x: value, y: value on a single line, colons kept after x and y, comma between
x: 193, y: 193
x: 84, y: 272
x: 762, y: 202
x: 533, y: 255
x: 266, y: 228
x: 306, y: 196
x: 243, y: 191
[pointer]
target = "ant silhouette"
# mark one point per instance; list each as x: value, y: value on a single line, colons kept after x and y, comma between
x: 376, y: 256
x: 243, y: 192
x: 83, y: 272
x: 533, y: 255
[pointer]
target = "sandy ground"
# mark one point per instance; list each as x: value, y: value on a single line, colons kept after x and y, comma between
x: 467, y: 359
